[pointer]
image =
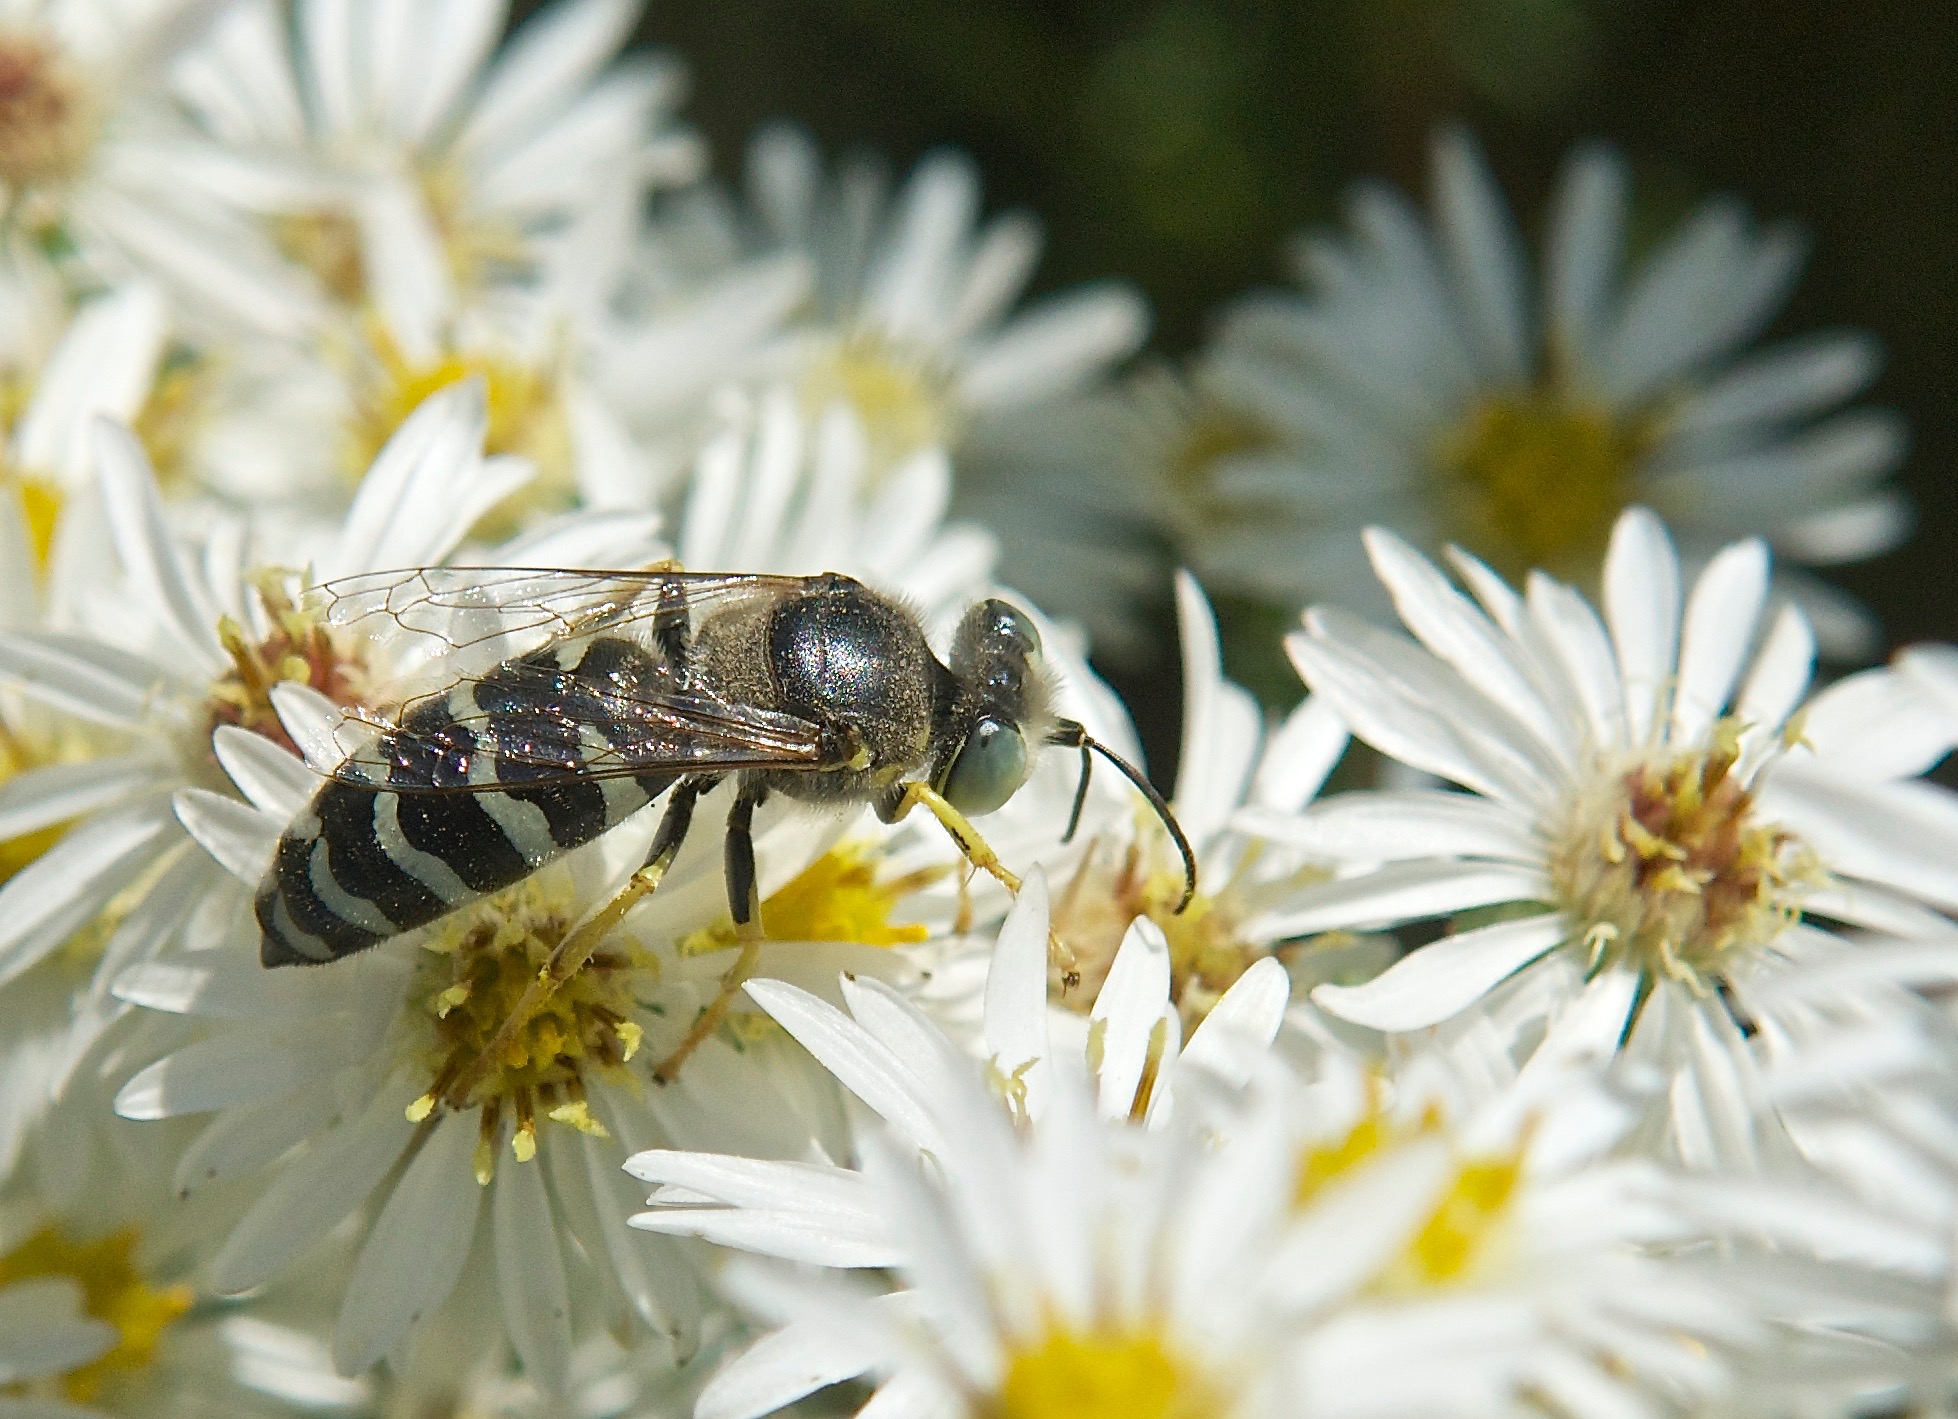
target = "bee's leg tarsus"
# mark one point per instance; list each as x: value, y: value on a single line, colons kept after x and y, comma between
x: 744, y: 905
x: 957, y: 827
x: 572, y: 952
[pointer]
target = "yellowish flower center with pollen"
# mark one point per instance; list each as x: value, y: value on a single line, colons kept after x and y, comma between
x: 905, y: 404
x: 326, y: 243
x: 48, y: 118
x: 835, y: 898
x: 113, y: 1291
x: 41, y: 501
x: 1535, y: 478
x: 480, y: 962
x: 172, y: 417
x: 1104, y: 1373
x: 481, y: 248
x: 1210, y: 432
x: 1461, y: 1236
x: 18, y: 755
x: 1115, y: 885
x: 300, y: 648
x: 526, y: 417
x: 1670, y: 870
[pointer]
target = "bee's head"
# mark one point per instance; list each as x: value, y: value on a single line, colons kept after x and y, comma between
x: 1002, y: 712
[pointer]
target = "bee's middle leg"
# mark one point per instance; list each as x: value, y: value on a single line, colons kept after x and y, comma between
x: 744, y: 905
x: 577, y: 947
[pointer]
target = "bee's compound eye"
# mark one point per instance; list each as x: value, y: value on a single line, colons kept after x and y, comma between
x: 988, y: 769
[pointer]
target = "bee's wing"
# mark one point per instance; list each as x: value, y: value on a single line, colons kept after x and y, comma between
x: 452, y: 628
x: 470, y: 618
x: 554, y: 736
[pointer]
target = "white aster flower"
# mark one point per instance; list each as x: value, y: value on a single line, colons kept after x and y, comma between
x: 1237, y: 789
x: 1424, y: 385
x: 1661, y: 832
x: 1430, y: 1248
x: 175, y: 647
x: 406, y: 160
x: 911, y: 320
x: 94, y: 160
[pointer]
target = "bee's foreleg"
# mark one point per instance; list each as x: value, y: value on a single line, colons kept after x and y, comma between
x: 576, y: 948
x: 744, y: 905
x: 963, y: 835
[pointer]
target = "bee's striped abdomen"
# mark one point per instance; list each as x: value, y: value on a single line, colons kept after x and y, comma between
x: 360, y: 863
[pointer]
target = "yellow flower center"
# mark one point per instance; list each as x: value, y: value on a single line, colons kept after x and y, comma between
x: 1104, y: 1373
x: 1534, y: 478
x: 326, y: 243
x: 1459, y: 1237
x: 173, y: 415
x: 526, y: 418
x: 482, y: 248
x: 1209, y: 432
x: 1668, y: 868
x: 41, y: 501
x: 1463, y: 1235
x: 1116, y: 884
x: 300, y: 648
x: 113, y: 1291
x: 480, y: 961
x: 48, y: 117
x: 835, y: 898
x: 905, y: 404
x: 17, y: 756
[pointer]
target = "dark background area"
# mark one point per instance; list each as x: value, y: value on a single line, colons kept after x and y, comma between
x: 1177, y: 143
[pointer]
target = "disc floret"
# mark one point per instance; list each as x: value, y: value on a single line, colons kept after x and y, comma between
x: 475, y: 968
x: 113, y: 1289
x: 1535, y: 477
x: 1668, y: 866
x: 49, y: 120
x: 1111, y: 1371
x: 298, y: 647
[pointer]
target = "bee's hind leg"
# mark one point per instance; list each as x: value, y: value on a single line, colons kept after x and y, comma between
x: 576, y: 948
x: 744, y: 904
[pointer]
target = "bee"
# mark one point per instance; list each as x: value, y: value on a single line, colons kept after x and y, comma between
x: 558, y: 704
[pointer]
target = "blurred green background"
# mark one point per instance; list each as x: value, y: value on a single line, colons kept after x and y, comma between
x: 1176, y: 143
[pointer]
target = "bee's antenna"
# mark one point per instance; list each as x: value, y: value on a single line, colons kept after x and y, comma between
x: 1068, y: 734
x: 1080, y: 791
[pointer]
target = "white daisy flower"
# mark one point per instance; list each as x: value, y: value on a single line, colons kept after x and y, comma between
x: 1423, y: 385
x: 1412, y: 1252
x: 94, y: 161
x: 1661, y: 832
x: 407, y: 160
x: 911, y: 321
x: 1237, y: 789
x: 178, y: 647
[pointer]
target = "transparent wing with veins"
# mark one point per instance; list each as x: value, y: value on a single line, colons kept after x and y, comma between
x: 498, y: 631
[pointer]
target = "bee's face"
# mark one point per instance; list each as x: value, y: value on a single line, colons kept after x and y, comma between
x: 1002, y: 680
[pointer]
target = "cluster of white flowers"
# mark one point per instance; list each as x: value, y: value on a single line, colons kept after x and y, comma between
x: 1587, y: 1049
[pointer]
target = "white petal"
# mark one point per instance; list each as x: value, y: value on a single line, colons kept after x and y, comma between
x: 1720, y: 620
x: 1056, y: 347
x: 313, y: 1192
x: 1132, y: 1000
x: 80, y: 677
x: 530, y: 1275
x: 1016, y: 994
x: 1300, y: 757
x: 1221, y: 723
x: 1442, y: 979
x: 1251, y: 1010
x: 1641, y: 597
x: 243, y: 840
x: 1402, y: 891
x: 40, y: 798
x: 1378, y: 826
x: 1586, y: 236
x: 276, y: 781
x: 49, y: 899
x: 861, y: 1063
x: 162, y: 582
x: 411, y: 1259
x: 781, y: 1368
x: 234, y: 1067
x: 1484, y: 254
x: 1779, y: 676
x: 548, y: 60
